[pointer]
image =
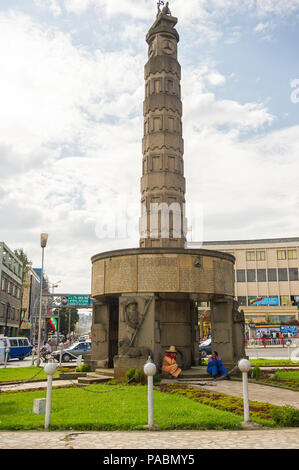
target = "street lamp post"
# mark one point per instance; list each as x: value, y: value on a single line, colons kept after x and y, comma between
x: 245, y: 366
x: 43, y: 244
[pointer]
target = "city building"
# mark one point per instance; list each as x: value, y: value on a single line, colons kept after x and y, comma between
x: 11, y: 271
x: 30, y: 303
x: 266, y: 277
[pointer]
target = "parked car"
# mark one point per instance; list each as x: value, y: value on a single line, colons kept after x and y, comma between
x: 74, y: 351
x: 205, y: 348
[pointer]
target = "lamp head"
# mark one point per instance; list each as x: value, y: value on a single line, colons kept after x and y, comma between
x: 43, y: 240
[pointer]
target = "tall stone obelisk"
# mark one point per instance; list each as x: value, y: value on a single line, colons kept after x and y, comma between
x: 144, y: 298
x: 162, y: 223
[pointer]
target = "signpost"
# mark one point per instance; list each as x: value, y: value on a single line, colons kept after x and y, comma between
x: 79, y: 301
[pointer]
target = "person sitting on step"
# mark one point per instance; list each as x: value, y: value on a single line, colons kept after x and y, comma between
x: 215, y: 367
x: 169, y: 365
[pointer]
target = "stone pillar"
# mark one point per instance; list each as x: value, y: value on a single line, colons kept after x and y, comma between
x: 227, y: 331
x: 163, y: 182
x: 100, y: 335
x: 177, y: 327
x: 223, y: 331
x: 196, y: 359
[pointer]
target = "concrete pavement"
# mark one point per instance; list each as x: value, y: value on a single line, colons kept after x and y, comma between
x: 256, y: 439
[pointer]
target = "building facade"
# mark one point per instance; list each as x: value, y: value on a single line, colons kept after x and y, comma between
x: 266, y: 277
x: 30, y: 303
x: 11, y: 271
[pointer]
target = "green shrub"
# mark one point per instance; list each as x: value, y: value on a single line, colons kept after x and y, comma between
x: 157, y: 379
x: 113, y: 382
x: 130, y: 374
x: 136, y: 375
x: 287, y: 416
x: 140, y: 377
x: 256, y: 373
x: 83, y: 368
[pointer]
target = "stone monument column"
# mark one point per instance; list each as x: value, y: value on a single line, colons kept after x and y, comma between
x: 227, y: 330
x: 162, y: 223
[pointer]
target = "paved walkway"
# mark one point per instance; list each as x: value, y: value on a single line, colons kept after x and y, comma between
x: 257, y: 439
x: 262, y: 393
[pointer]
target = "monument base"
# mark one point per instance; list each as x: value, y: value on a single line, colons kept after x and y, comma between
x: 123, y: 363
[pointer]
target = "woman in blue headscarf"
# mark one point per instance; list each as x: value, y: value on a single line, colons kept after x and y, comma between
x: 215, y: 366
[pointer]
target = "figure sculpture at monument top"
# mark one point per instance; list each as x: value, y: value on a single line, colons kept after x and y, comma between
x: 165, y: 10
x: 162, y: 223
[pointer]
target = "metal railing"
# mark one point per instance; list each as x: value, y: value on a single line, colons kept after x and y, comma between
x: 267, y: 342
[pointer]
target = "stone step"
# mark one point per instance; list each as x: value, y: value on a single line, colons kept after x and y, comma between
x: 193, y: 376
x: 105, y: 372
x: 93, y: 380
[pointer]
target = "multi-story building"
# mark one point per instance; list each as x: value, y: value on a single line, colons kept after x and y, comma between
x: 30, y: 302
x: 266, y: 277
x: 11, y: 271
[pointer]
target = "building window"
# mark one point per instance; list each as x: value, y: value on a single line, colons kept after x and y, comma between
x: 272, y: 275
x: 240, y: 275
x: 3, y: 284
x: 281, y: 254
x: 261, y: 275
x: 293, y: 273
x: 250, y: 255
x: 242, y: 301
x: 260, y: 256
x: 285, y: 300
x: 292, y: 254
x: 8, y: 287
x: 251, y: 275
x: 282, y: 274
x: 2, y: 308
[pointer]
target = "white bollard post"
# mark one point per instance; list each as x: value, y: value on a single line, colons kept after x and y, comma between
x: 6, y: 357
x: 60, y: 354
x: 150, y: 370
x: 33, y: 351
x: 49, y: 369
x: 245, y: 366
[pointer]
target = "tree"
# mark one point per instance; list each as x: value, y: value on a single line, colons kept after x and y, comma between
x: 27, y: 266
x: 68, y: 318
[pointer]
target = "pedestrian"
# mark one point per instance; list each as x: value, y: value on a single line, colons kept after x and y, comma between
x: 169, y: 365
x: 215, y: 367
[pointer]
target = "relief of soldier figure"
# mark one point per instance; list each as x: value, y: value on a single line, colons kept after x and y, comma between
x: 131, y: 320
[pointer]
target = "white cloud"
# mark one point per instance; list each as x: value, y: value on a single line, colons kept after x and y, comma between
x: 72, y: 126
x: 52, y: 5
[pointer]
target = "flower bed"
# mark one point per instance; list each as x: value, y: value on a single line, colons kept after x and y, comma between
x: 263, y: 413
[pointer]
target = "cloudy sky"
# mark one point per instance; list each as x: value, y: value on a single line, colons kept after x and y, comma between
x: 72, y: 87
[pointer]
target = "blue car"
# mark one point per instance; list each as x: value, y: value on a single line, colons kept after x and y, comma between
x: 205, y: 348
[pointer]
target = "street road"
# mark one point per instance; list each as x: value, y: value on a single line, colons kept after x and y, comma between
x: 258, y: 353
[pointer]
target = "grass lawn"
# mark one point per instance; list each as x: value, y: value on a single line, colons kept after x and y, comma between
x: 288, y: 378
x: 123, y: 409
x: 272, y: 362
x: 287, y: 375
x: 22, y: 373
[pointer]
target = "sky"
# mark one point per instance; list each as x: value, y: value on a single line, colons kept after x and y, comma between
x: 71, y: 120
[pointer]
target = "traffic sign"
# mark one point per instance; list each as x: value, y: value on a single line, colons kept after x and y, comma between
x: 79, y: 300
